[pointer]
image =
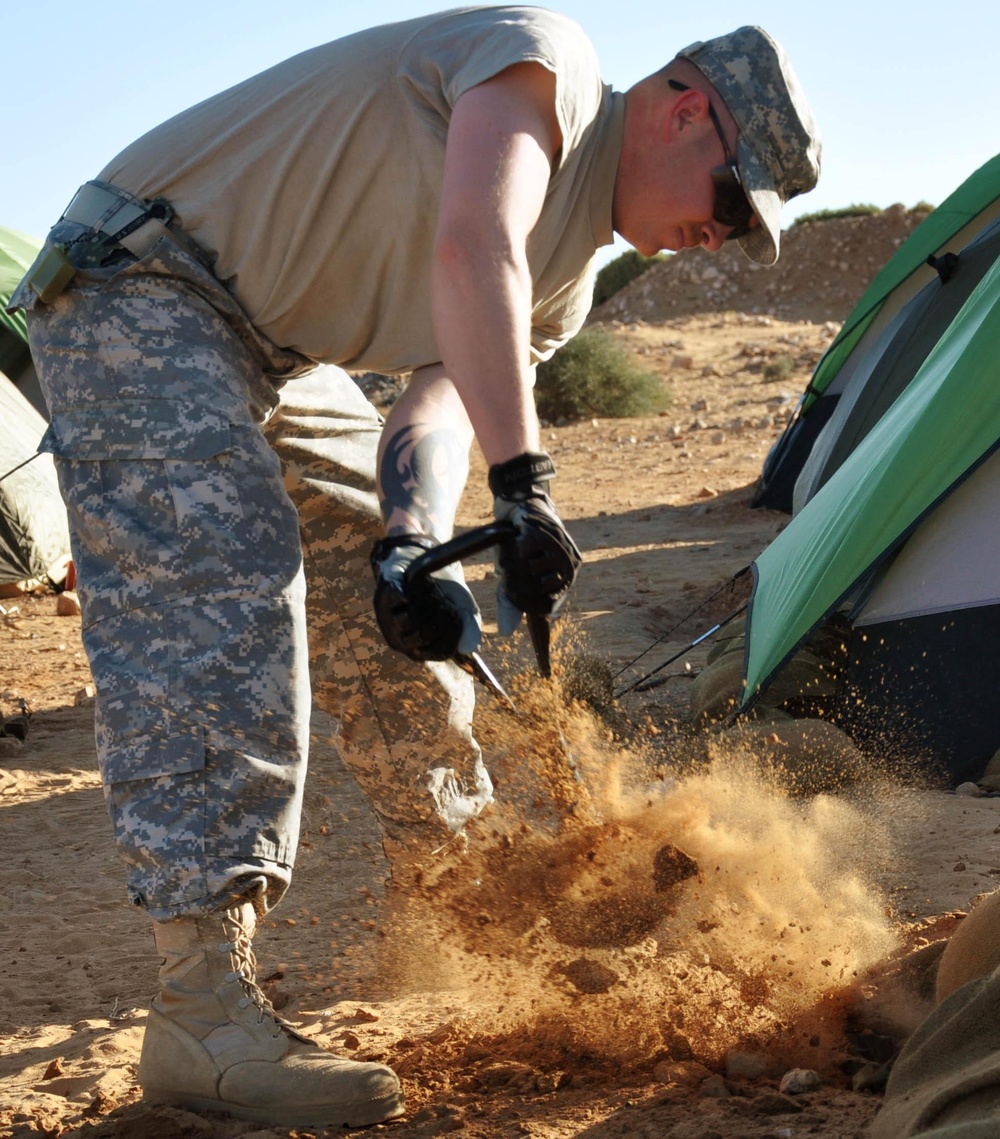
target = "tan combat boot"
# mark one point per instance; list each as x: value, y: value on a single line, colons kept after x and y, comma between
x: 213, y: 1041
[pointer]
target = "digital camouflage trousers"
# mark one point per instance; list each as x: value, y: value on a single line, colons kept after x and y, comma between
x: 221, y: 500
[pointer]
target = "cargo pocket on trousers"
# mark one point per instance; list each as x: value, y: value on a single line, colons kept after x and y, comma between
x: 153, y: 767
x: 153, y: 504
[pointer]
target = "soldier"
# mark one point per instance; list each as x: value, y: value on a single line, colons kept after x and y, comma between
x: 428, y: 198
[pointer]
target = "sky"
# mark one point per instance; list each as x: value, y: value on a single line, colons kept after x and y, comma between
x: 906, y: 95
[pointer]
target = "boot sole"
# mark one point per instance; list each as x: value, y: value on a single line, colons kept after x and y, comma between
x: 359, y: 1115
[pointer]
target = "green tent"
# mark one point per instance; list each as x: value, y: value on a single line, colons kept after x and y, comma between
x: 946, y: 229
x: 17, y: 251
x: 942, y: 226
x: 897, y: 491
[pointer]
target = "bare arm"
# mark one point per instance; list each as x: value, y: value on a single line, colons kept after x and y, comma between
x: 423, y: 459
x: 502, y: 140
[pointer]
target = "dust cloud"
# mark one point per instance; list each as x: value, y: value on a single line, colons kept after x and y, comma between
x: 617, y: 908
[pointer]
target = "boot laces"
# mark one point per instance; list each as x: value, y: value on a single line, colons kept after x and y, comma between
x: 245, y: 970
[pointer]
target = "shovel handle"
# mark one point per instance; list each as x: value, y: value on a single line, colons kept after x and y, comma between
x: 457, y: 548
x: 464, y: 546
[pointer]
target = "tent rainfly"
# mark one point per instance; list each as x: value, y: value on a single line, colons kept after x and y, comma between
x: 896, y: 502
x: 924, y: 258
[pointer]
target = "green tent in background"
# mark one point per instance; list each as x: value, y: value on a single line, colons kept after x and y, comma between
x: 941, y: 226
x: 17, y: 251
x: 963, y: 213
x: 912, y: 508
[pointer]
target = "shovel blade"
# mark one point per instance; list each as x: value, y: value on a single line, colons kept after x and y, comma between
x: 541, y: 635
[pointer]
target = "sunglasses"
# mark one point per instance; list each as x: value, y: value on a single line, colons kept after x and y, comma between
x: 732, y: 208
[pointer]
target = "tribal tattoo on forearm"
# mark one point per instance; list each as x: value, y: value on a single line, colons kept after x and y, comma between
x: 421, y: 478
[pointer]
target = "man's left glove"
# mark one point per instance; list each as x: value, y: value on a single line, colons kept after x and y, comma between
x: 432, y: 618
x: 538, y: 563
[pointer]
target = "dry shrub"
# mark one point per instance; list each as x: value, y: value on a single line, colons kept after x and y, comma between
x: 593, y: 375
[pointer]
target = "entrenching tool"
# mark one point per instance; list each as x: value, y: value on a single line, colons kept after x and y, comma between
x: 463, y: 546
x: 540, y: 633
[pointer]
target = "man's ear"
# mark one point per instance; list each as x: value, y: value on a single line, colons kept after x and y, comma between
x: 689, y: 109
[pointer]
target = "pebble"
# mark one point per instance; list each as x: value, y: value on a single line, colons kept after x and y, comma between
x: 773, y: 1103
x: 748, y: 1065
x: 85, y: 694
x: 67, y: 604
x: 862, y: 1078
x: 714, y: 1088
x: 797, y: 1081
x: 683, y: 1072
x: 550, y: 1081
x: 969, y: 790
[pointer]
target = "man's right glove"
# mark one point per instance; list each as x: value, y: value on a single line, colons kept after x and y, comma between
x: 537, y: 565
x: 432, y: 618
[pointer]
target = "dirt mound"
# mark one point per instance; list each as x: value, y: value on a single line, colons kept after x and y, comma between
x: 824, y: 268
x: 717, y: 904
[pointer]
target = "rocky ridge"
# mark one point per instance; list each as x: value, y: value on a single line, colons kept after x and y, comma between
x: 823, y: 269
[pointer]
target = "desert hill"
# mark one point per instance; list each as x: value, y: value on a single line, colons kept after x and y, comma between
x: 823, y: 269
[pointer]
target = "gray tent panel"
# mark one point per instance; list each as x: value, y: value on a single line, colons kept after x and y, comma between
x: 951, y: 562
x: 34, y: 535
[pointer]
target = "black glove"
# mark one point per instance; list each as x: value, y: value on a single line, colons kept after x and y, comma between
x: 432, y: 618
x: 536, y: 566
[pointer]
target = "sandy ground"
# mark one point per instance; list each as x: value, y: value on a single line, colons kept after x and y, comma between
x: 678, y: 1018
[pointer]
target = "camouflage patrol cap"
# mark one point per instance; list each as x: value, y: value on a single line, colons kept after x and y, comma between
x: 778, y: 152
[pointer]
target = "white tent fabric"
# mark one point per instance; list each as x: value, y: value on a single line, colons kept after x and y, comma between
x: 952, y: 561
x: 34, y: 534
